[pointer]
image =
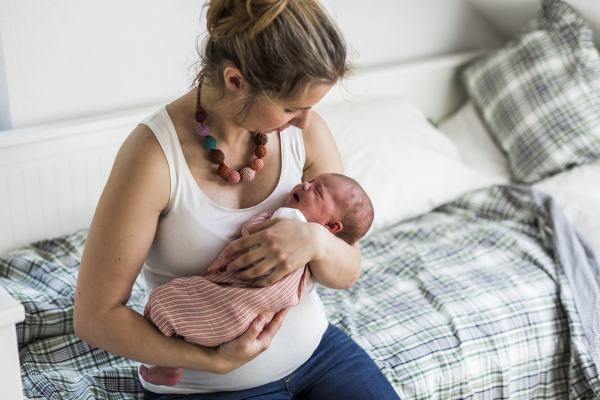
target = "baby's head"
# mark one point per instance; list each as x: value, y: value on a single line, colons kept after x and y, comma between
x: 335, y: 201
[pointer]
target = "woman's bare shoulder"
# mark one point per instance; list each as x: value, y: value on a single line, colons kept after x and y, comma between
x: 141, y: 144
x: 141, y: 164
x: 322, y: 154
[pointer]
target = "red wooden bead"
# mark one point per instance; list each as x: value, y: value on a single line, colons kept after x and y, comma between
x: 260, y: 151
x: 257, y: 164
x: 223, y: 171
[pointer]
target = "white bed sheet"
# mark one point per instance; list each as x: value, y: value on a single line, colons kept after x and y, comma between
x: 577, y: 191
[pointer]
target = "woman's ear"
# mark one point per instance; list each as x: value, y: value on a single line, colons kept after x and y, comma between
x: 234, y: 80
x: 334, y: 226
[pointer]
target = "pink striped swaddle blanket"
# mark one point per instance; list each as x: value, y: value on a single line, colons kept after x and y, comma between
x: 216, y: 307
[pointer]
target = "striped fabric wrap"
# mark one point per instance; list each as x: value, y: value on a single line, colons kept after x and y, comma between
x: 469, y: 301
x: 216, y: 306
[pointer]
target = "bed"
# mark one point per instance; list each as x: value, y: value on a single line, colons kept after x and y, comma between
x: 479, y: 280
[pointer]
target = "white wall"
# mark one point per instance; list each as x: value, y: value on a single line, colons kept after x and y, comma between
x: 508, y: 16
x: 71, y: 58
x: 63, y: 59
x: 386, y: 31
x: 5, y: 120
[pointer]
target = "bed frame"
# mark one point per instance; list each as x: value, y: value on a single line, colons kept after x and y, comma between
x: 52, y: 175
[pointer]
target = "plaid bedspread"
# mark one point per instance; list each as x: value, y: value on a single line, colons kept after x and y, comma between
x: 470, y: 301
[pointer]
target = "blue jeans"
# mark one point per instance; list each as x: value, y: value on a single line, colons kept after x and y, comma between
x: 338, y: 369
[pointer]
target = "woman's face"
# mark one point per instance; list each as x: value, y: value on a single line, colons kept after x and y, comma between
x: 267, y: 117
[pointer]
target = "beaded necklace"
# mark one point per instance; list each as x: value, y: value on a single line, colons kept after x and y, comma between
x: 246, y: 174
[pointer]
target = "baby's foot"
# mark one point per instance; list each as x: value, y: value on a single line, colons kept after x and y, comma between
x: 161, y: 375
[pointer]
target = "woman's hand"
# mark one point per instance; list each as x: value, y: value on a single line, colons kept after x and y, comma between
x: 284, y: 245
x: 255, y: 340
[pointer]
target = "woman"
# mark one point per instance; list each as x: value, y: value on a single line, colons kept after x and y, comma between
x: 168, y: 211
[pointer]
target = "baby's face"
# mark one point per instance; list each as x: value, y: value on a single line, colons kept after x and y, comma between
x: 317, y: 198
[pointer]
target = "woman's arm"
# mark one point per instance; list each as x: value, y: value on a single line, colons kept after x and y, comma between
x: 336, y: 264
x: 120, y: 236
x: 288, y: 245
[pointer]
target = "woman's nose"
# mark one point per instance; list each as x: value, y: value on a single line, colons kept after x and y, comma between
x: 301, y: 121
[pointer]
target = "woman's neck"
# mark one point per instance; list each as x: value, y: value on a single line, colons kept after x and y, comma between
x: 220, y: 115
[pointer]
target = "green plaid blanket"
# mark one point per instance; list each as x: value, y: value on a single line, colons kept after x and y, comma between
x: 464, y: 302
x: 55, y: 364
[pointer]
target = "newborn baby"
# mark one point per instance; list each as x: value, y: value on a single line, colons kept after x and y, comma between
x: 216, y: 307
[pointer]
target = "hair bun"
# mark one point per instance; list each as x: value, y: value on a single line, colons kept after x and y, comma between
x: 226, y: 18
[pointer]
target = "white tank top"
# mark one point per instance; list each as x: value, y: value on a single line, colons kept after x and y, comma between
x: 192, y: 230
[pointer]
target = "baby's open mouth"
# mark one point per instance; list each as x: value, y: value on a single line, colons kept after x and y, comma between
x: 296, y: 196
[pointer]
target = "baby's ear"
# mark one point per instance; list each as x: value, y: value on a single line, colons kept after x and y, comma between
x: 334, y: 226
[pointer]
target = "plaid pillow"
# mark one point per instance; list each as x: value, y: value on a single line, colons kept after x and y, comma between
x: 540, y: 94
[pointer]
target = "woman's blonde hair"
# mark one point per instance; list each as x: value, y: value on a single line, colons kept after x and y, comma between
x: 282, y: 47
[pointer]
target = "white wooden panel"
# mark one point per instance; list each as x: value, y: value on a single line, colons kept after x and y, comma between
x: 33, y: 201
x: 50, y: 200
x: 81, y: 208
x: 66, y: 204
x: 94, y: 182
x: 18, y: 206
x: 6, y: 233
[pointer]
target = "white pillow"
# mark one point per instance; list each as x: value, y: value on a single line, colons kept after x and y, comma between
x: 405, y: 164
x: 476, y: 146
x: 576, y: 191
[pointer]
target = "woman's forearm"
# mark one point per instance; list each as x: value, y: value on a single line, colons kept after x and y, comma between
x: 337, y: 264
x: 127, y: 333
